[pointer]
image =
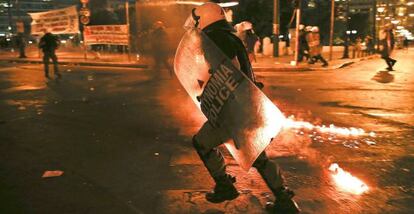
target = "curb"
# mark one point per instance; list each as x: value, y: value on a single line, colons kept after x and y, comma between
x: 106, y: 64
x: 279, y: 69
x: 299, y: 69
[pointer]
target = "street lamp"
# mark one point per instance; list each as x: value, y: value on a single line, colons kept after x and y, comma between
x: 346, y: 42
x: 276, y: 20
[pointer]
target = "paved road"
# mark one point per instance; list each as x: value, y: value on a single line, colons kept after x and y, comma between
x: 122, y: 138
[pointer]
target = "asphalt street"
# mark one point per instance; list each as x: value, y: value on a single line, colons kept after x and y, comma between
x: 122, y: 137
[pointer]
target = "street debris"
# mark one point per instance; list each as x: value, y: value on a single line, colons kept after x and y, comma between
x: 351, y: 145
x: 370, y: 143
x: 50, y: 174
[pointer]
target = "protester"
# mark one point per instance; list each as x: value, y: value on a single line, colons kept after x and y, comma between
x: 49, y: 43
x: 315, y: 47
x: 159, y: 45
x: 387, y: 45
x: 303, y: 44
x: 210, y: 18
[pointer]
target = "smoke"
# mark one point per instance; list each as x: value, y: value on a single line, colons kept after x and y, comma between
x: 291, y: 142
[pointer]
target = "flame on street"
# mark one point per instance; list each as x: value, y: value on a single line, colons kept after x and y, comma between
x: 292, y: 123
x: 346, y: 182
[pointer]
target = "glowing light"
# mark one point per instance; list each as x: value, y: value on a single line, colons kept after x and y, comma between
x: 346, y: 182
x: 380, y: 9
x: 227, y: 4
x: 290, y: 122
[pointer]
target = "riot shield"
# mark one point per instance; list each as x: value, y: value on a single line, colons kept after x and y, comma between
x: 228, y: 99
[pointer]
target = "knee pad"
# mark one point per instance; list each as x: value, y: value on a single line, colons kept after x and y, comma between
x: 197, y: 145
x: 260, y: 164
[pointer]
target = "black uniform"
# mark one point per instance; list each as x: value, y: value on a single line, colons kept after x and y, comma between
x: 303, y: 46
x: 21, y: 43
x: 49, y: 43
x: 209, y: 138
x: 160, y: 49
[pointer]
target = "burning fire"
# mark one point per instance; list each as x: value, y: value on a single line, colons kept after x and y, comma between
x: 292, y: 123
x: 346, y: 182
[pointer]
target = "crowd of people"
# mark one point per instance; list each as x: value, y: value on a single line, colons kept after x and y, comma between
x: 309, y: 40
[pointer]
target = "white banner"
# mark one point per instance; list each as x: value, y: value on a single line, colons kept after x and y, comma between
x: 106, y: 34
x: 61, y: 21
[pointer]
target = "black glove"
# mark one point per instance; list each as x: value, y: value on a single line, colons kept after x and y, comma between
x: 260, y: 85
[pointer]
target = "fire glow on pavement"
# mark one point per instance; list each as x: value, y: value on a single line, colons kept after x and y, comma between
x: 292, y: 123
x: 346, y: 182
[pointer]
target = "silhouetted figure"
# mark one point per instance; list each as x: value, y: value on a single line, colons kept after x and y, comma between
x: 159, y: 43
x: 303, y: 44
x: 387, y: 44
x: 346, y: 47
x: 49, y: 43
x: 357, y: 50
x: 315, y: 47
x: 21, y: 44
x: 369, y: 43
x: 251, y: 40
x: 405, y: 43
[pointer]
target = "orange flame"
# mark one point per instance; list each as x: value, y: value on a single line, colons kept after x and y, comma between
x: 346, y: 182
x: 290, y: 122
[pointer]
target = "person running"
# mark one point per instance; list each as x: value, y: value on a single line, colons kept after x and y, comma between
x: 387, y: 42
x: 315, y: 46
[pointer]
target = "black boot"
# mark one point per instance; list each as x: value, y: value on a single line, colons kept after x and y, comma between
x: 393, y: 61
x: 273, y: 178
x: 224, y: 190
x: 284, y: 202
